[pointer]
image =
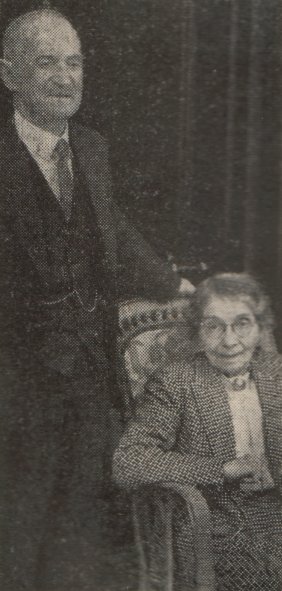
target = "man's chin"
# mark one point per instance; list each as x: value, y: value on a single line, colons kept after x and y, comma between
x: 60, y: 109
x: 63, y: 111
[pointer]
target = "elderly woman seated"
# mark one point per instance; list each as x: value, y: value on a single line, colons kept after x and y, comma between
x: 216, y: 423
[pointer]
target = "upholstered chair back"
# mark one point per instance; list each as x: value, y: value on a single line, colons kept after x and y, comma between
x: 152, y: 335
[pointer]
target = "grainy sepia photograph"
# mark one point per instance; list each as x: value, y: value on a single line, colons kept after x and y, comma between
x: 140, y: 295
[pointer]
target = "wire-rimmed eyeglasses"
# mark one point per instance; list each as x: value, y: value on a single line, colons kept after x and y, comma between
x: 215, y: 328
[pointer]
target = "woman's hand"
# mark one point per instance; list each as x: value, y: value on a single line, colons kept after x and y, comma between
x: 251, y: 471
x: 244, y: 467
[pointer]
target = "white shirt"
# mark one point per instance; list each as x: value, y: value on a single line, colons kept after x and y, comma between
x: 246, y: 417
x: 40, y: 144
x: 247, y: 423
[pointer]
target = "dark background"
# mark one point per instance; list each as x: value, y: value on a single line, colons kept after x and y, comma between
x: 188, y: 94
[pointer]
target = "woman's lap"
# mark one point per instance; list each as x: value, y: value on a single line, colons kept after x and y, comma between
x: 248, y: 544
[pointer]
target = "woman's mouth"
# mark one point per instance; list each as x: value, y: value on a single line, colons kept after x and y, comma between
x: 230, y: 355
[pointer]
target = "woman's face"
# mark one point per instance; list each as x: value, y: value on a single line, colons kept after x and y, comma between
x: 229, y: 334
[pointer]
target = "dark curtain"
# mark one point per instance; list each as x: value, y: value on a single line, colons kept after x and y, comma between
x: 231, y: 136
x: 188, y: 94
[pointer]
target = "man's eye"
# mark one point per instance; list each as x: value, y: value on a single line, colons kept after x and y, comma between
x: 75, y: 63
x: 44, y: 62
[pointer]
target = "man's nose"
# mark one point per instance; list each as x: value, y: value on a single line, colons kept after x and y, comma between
x: 230, y: 338
x: 62, y: 74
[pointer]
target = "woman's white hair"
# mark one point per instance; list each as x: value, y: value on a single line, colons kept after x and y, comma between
x: 233, y: 286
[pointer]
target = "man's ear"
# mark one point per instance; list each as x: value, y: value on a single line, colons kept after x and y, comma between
x: 8, y: 75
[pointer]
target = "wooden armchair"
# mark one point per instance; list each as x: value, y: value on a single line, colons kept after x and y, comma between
x: 152, y: 335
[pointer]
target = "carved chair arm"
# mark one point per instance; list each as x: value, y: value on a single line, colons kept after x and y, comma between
x: 200, y: 516
x: 200, y: 520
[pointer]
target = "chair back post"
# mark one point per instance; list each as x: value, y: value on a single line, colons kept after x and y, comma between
x: 169, y: 547
x: 143, y: 567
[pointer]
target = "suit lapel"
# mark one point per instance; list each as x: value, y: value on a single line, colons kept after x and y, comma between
x: 92, y: 158
x: 212, y: 402
x: 19, y: 199
x: 20, y: 204
x: 266, y: 371
x: 213, y: 406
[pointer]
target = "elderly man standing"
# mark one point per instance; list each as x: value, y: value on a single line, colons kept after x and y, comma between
x: 67, y: 254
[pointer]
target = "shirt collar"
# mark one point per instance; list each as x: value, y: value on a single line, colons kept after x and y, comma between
x: 40, y: 143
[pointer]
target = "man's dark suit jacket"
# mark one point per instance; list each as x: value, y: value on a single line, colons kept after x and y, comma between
x: 35, y: 379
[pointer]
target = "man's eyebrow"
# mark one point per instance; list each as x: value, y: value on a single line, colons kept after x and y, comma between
x: 40, y: 55
x: 76, y: 56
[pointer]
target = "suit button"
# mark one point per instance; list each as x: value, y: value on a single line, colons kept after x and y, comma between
x: 66, y: 232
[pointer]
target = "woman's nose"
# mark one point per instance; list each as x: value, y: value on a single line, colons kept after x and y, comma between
x: 230, y: 338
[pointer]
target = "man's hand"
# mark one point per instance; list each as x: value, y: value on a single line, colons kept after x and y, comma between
x: 186, y: 286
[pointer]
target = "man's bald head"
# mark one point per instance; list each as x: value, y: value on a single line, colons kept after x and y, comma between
x: 26, y: 27
x: 43, y: 68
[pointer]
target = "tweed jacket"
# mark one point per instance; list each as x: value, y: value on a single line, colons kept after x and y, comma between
x: 183, y: 431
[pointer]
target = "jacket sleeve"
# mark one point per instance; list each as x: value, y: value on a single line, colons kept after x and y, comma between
x: 141, y: 273
x: 147, y: 451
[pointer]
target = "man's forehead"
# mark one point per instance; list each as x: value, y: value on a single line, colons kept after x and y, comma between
x: 49, y: 34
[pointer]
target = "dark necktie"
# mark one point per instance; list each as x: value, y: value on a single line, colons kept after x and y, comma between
x: 62, y: 154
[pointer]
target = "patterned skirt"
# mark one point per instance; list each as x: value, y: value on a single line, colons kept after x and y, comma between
x: 246, y: 538
x: 247, y: 534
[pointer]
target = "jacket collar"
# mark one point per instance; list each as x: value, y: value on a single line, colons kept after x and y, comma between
x: 40, y: 143
x: 212, y: 401
x: 266, y: 369
x: 18, y: 203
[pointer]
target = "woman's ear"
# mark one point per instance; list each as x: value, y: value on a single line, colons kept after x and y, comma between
x: 8, y: 74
